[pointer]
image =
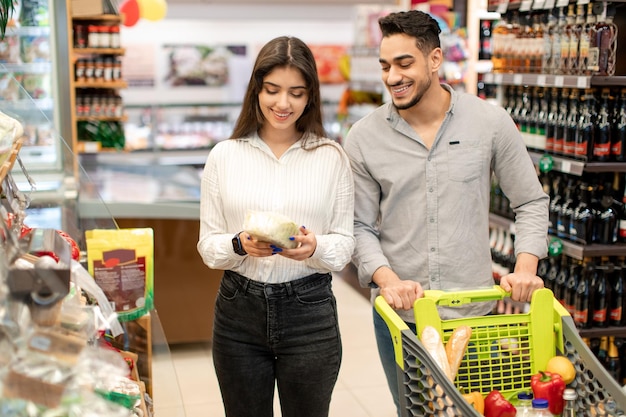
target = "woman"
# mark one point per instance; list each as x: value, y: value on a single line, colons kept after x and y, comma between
x: 275, y: 314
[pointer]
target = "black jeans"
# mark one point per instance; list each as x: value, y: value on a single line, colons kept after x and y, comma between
x: 283, y: 335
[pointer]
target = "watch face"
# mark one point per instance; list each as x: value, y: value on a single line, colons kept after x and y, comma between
x: 237, y: 246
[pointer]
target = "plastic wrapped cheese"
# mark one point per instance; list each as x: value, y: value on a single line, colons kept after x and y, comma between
x: 272, y: 227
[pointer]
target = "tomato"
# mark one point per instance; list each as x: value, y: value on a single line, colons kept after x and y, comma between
x: 563, y: 366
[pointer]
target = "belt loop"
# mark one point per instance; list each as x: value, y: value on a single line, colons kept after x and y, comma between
x: 289, y: 288
x: 245, y: 284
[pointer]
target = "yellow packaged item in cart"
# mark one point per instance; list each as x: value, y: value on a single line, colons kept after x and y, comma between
x: 121, y: 262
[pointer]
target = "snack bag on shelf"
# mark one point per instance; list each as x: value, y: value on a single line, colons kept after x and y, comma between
x: 121, y: 262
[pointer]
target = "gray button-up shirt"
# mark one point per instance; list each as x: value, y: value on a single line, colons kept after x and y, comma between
x: 425, y: 212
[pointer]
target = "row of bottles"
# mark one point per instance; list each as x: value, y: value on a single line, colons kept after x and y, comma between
x: 577, y: 40
x: 586, y: 124
x: 611, y: 353
x: 587, y: 209
x: 591, y: 289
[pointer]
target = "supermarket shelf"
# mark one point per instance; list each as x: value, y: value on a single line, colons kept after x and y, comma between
x: 117, y: 84
x: 100, y: 17
x: 618, y: 331
x: 548, y: 80
x: 101, y: 51
x: 577, y: 167
x: 571, y: 249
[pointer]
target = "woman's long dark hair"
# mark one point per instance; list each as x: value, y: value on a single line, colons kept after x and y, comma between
x: 288, y: 52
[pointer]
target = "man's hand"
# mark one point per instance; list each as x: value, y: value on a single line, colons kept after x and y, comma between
x: 399, y: 294
x: 524, y: 280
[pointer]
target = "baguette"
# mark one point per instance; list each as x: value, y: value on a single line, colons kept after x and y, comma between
x: 434, y: 346
x: 455, y: 348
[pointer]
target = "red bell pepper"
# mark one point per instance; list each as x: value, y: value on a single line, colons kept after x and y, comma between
x: 498, y: 406
x: 550, y: 386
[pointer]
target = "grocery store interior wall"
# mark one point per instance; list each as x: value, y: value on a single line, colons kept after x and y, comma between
x: 250, y: 25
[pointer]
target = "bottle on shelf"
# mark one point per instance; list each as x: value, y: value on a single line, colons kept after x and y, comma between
x: 602, y: 141
x: 551, y: 119
x: 559, y: 38
x: 581, y: 224
x: 512, y: 50
x: 556, y: 202
x: 484, y: 51
x: 499, y: 41
x: 618, y: 135
x: 601, y: 294
x: 571, y: 130
x: 588, y: 49
x: 574, y: 40
x: 561, y: 122
x: 583, y: 298
x: 603, y: 351
x: 567, y: 40
x: 549, y: 29
x: 551, y: 275
x: 569, y: 398
x: 571, y: 286
x: 613, y: 364
x: 616, y: 302
x: 561, y: 280
x: 567, y: 209
x: 585, y: 142
x: 606, y: 214
x: 607, y: 41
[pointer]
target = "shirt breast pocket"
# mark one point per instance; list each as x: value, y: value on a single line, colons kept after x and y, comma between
x: 464, y: 160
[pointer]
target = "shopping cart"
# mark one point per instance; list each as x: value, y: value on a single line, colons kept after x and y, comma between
x: 504, y: 352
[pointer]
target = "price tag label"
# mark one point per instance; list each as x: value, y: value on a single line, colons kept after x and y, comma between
x: 562, y: 3
x: 538, y: 4
x: 498, y: 78
x: 548, y: 4
x: 503, y: 6
x: 525, y: 5
x: 581, y: 82
x: 517, y: 79
x: 555, y: 248
x: 559, y: 80
x: 541, y: 80
x: 566, y: 167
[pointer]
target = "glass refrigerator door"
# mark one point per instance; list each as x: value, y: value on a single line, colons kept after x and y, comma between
x: 34, y: 65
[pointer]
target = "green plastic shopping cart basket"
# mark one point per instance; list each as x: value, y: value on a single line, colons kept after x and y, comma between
x: 504, y: 351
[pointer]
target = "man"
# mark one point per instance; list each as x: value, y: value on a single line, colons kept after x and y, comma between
x: 422, y: 166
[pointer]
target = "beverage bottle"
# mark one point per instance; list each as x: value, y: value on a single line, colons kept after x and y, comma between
x: 575, y: 32
x: 532, y: 119
x: 582, y: 301
x: 568, y: 38
x: 561, y: 280
x: 569, y: 397
x: 485, y: 40
x: 618, y: 136
x: 541, y: 119
x: 585, y: 140
x: 536, y: 45
x: 581, y: 229
x: 588, y: 51
x: 571, y: 129
x: 556, y: 202
x: 603, y: 351
x: 553, y: 112
x: 540, y: 408
x: 601, y: 294
x: 567, y: 209
x: 513, y: 47
x: 553, y: 271
x: 616, y: 302
x: 524, y: 404
x: 613, y: 364
x: 549, y: 29
x: 558, y: 37
x: 561, y: 122
x: 602, y: 144
x: 606, y: 216
x: 498, y: 43
x: 572, y: 286
x: 607, y: 41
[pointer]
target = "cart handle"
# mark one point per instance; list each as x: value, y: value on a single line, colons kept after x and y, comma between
x: 456, y: 298
x: 395, y: 324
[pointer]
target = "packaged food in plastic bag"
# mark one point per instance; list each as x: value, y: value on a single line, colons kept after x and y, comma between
x: 271, y: 227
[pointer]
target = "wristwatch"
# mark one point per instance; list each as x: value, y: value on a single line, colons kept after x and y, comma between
x: 239, y: 250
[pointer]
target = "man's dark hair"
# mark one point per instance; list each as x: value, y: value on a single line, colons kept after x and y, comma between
x: 414, y: 23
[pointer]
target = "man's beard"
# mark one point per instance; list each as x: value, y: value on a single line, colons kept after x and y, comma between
x: 416, y: 99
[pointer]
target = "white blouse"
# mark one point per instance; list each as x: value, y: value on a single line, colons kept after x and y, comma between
x: 314, y: 188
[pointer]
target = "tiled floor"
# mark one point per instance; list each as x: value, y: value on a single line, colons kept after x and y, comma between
x: 184, y: 383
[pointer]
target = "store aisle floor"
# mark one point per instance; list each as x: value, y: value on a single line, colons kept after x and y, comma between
x: 361, y: 390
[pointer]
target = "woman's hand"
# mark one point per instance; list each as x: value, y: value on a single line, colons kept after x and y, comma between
x: 307, y: 243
